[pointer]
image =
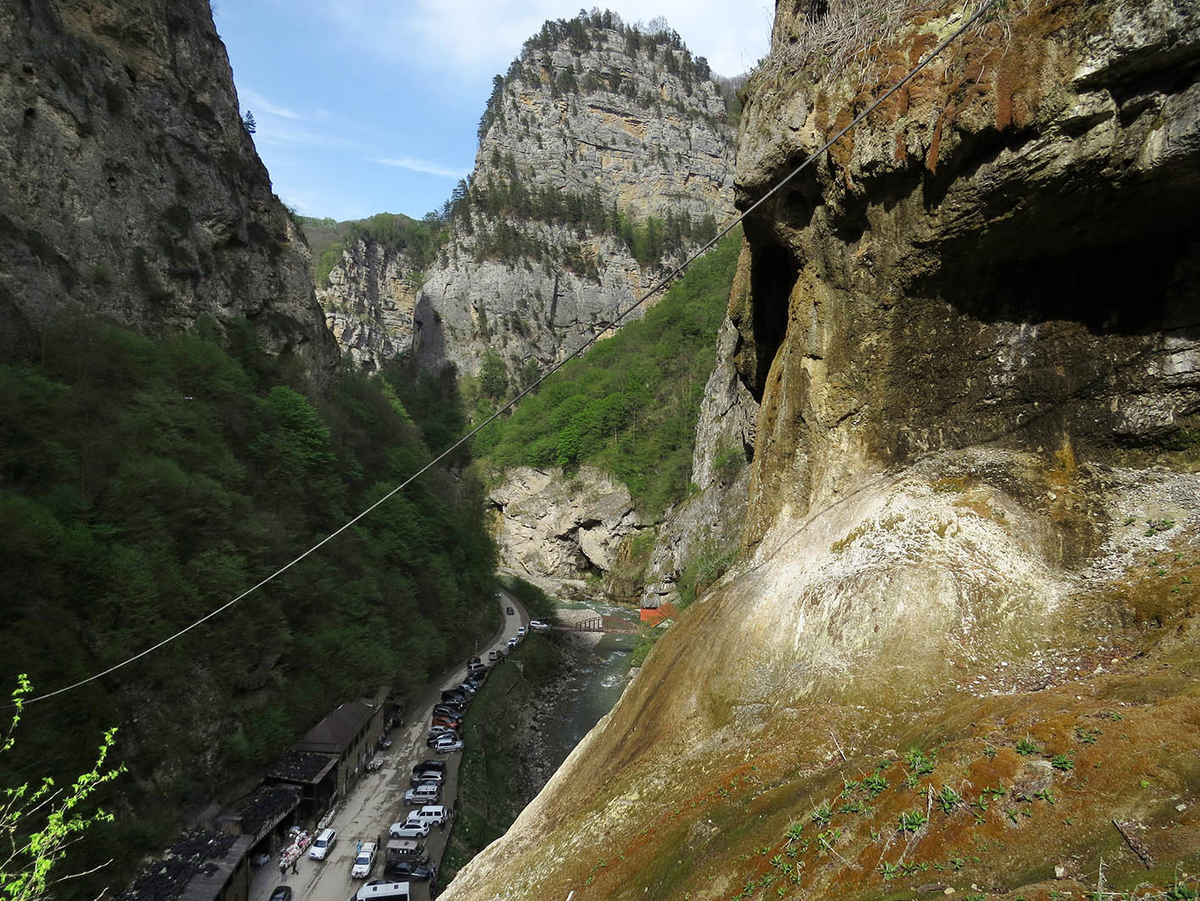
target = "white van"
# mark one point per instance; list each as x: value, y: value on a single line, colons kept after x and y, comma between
x: 320, y: 847
x: 430, y: 814
x: 383, y: 891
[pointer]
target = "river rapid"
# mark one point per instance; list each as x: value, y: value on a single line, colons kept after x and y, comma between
x: 594, y: 674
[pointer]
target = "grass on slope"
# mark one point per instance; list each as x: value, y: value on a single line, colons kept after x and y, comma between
x: 630, y: 405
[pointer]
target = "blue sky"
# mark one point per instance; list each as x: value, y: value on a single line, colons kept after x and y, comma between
x: 365, y: 106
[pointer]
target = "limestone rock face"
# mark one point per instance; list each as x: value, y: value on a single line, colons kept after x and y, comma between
x: 591, y: 127
x: 131, y: 186
x: 557, y: 531
x: 369, y: 302
x: 1005, y: 253
x: 973, y: 509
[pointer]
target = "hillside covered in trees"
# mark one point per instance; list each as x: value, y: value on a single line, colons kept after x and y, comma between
x: 144, y: 483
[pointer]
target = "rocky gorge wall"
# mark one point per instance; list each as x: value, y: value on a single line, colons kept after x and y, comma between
x: 973, y: 527
x: 369, y: 302
x: 132, y: 187
x: 595, y: 121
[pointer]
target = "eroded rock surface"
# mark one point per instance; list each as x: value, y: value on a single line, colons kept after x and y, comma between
x: 559, y: 531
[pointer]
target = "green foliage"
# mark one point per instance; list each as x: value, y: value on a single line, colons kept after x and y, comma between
x: 419, y: 241
x: 630, y: 404
x: 912, y: 820
x: 537, y: 603
x: 1026, y: 747
x: 947, y: 799
x: 38, y: 826
x: 487, y: 776
x: 920, y: 763
x: 144, y: 484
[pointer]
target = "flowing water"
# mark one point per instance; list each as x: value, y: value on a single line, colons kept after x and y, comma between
x: 599, y: 677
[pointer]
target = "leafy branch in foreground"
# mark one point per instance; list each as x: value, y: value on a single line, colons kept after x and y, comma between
x: 25, y: 872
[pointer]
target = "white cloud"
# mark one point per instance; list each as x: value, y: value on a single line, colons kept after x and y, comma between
x: 264, y: 105
x: 484, y: 36
x: 423, y: 166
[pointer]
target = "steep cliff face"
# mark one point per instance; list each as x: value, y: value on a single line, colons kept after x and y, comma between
x: 561, y: 532
x: 959, y: 650
x: 1004, y: 253
x: 132, y: 187
x: 369, y: 302
x: 604, y: 152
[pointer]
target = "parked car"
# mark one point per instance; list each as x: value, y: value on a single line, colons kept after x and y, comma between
x: 431, y: 764
x: 472, y: 660
x: 522, y: 632
x: 363, y: 860
x: 512, y: 642
x: 433, y: 814
x: 510, y: 611
x: 474, y: 669
x: 440, y: 730
x: 493, y: 656
x: 283, y: 893
x: 321, y: 845
x: 448, y: 745
x: 427, y: 776
x: 446, y: 709
x: 538, y: 625
x: 411, y: 870
x: 425, y: 793
x: 408, y: 829
x: 434, y: 737
x: 452, y: 722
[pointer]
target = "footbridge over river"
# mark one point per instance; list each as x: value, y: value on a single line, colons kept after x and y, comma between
x: 608, y: 624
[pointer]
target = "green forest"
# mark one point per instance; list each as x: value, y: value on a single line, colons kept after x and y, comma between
x: 630, y: 405
x: 144, y: 483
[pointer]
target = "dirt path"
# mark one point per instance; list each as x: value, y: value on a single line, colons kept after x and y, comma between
x: 377, y: 800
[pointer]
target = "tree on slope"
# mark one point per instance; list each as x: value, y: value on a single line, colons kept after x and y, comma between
x: 37, y: 827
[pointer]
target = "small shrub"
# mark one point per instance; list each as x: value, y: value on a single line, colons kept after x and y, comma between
x: 1062, y: 762
x: 919, y: 762
x: 947, y: 799
x: 1026, y: 748
x: 912, y: 820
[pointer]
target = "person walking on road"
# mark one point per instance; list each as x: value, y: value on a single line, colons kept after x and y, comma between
x: 283, y: 870
x: 294, y: 862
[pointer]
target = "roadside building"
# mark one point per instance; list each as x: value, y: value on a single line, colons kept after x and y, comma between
x: 314, y: 774
x: 202, y: 865
x: 349, y: 735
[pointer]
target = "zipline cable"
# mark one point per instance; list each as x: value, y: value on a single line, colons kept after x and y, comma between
x: 662, y: 283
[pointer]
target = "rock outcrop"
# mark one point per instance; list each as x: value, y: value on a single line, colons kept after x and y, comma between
x: 604, y: 153
x: 369, y: 302
x: 558, y: 531
x: 132, y: 187
x: 973, y: 534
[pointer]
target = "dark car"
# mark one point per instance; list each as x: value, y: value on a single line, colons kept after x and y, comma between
x: 425, y: 765
x: 473, y: 660
x: 509, y: 611
x: 283, y: 893
x: 410, y: 870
